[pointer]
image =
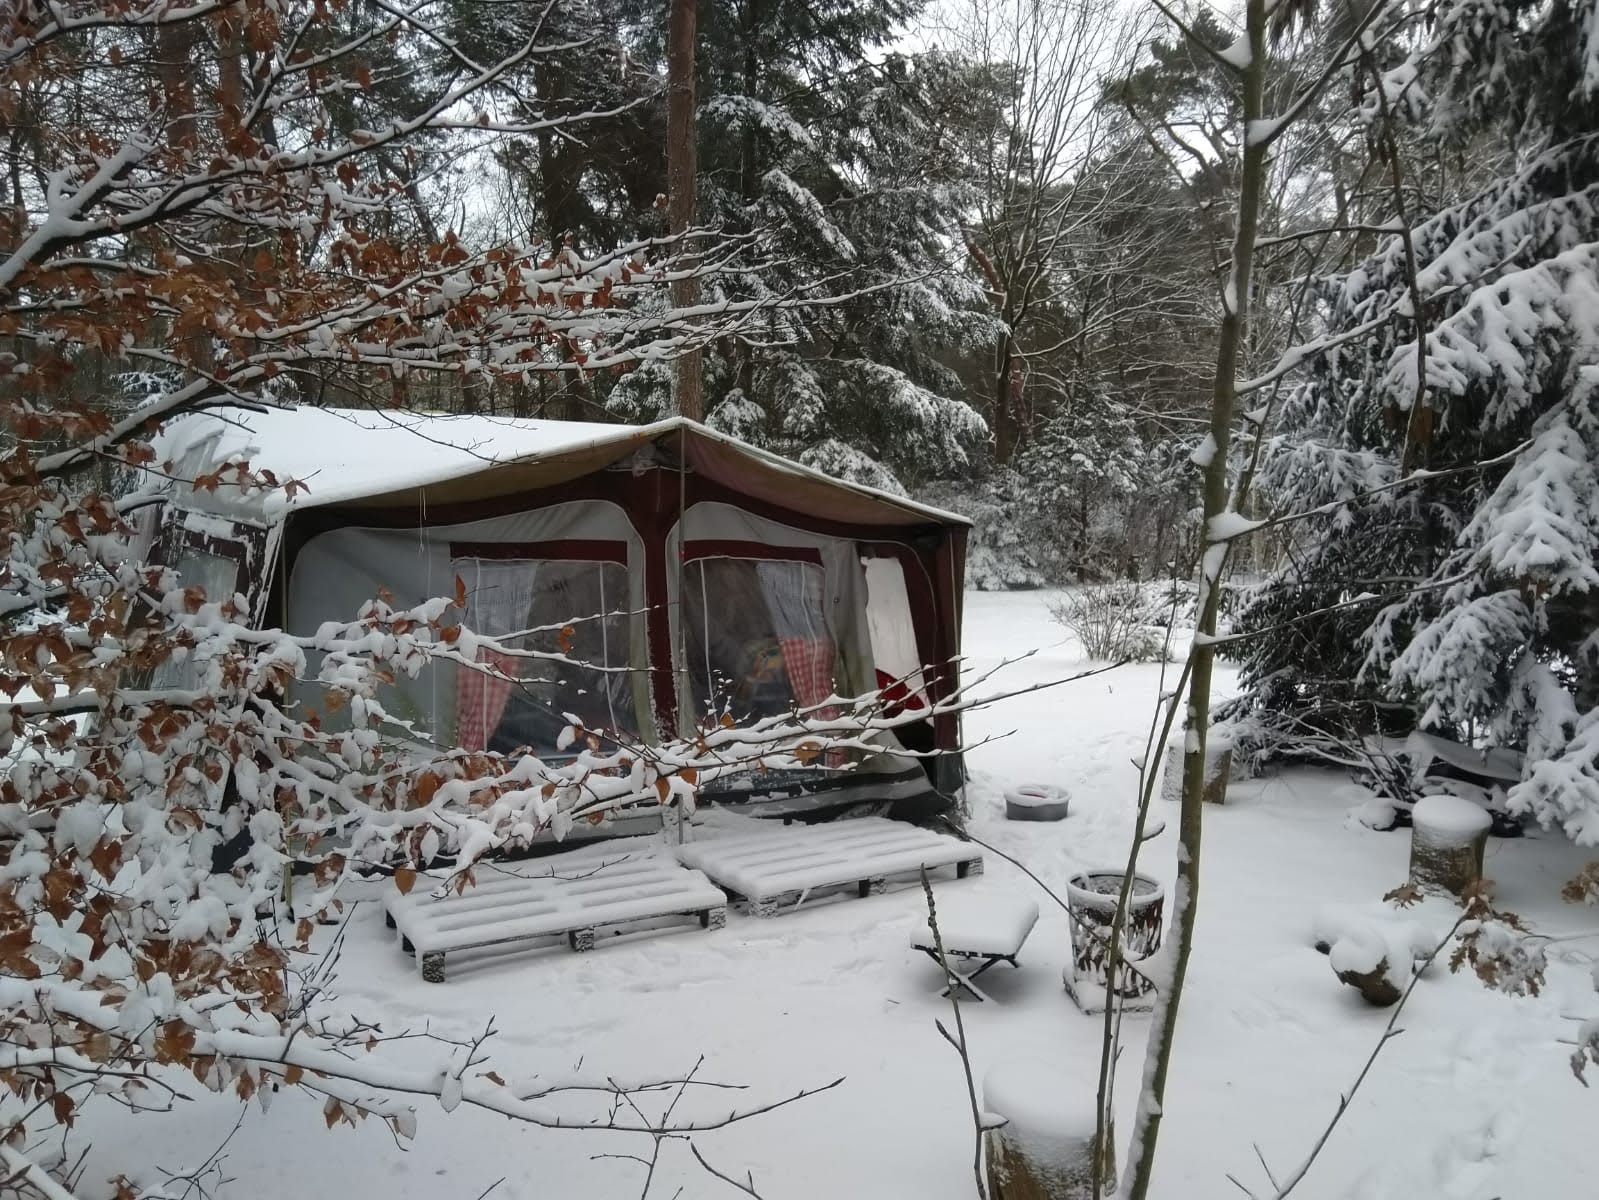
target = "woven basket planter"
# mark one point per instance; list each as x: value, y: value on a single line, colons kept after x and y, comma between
x: 1091, y: 901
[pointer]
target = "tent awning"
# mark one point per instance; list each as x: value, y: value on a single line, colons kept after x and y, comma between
x: 378, y: 458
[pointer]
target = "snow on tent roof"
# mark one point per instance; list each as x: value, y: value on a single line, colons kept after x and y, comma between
x: 348, y: 455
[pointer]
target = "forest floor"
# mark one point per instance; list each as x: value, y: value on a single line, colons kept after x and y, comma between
x: 1476, y: 1100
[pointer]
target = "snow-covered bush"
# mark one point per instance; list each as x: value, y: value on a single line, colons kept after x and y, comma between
x: 1056, y: 517
x: 1108, y: 500
x: 1118, y: 621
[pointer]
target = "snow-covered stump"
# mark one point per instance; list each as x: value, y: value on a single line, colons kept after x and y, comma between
x: 1218, y: 768
x: 1368, y: 964
x: 1376, y: 953
x: 1037, y: 802
x: 1091, y: 901
x: 1045, y: 1149
x: 1447, y: 839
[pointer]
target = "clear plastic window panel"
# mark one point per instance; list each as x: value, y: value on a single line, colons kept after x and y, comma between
x: 756, y: 637
x: 217, y: 576
x: 522, y: 702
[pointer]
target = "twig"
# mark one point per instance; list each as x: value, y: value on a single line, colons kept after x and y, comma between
x: 960, y: 1030
x: 1388, y: 1034
x: 966, y: 835
x: 747, y: 1188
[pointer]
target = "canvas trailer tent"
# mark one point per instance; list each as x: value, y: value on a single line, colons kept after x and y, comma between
x: 711, y: 576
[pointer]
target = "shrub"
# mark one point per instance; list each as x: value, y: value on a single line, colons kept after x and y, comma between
x: 1116, y: 621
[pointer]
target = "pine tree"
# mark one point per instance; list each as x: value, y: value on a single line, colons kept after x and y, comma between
x: 850, y: 176
x: 1492, y: 633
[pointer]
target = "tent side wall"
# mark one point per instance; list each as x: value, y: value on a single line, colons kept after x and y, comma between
x: 655, y: 501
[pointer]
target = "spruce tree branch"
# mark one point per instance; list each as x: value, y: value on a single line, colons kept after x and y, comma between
x: 1336, y: 63
x: 1418, y: 310
x: 1409, y: 480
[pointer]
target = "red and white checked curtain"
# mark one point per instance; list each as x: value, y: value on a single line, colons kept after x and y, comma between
x: 795, y: 596
x: 499, y: 602
x: 480, y: 699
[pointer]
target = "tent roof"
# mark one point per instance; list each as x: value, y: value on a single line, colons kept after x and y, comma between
x: 388, y: 458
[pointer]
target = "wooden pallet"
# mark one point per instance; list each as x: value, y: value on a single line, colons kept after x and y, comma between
x: 572, y: 902
x: 775, y: 869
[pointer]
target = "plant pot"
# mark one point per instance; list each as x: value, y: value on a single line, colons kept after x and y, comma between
x: 1037, y: 802
x: 1091, y: 902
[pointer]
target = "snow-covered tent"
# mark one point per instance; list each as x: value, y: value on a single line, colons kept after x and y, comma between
x: 715, y: 576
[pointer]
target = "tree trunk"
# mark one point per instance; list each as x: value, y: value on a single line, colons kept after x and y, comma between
x: 682, y: 168
x: 230, y: 77
x: 1007, y: 396
x: 174, y: 45
x: 1231, y: 335
x: 749, y: 176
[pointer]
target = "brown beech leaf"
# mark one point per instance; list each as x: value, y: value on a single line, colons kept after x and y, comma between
x: 404, y: 879
x: 175, y: 1043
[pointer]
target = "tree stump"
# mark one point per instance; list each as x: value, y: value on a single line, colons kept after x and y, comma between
x: 1364, y: 963
x: 1045, y: 1150
x: 1447, y: 838
x: 1218, y: 768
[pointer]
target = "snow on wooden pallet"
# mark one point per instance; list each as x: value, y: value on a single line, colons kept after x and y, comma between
x: 502, y: 908
x: 777, y: 867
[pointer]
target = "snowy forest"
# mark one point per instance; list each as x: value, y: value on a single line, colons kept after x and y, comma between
x: 1214, y: 385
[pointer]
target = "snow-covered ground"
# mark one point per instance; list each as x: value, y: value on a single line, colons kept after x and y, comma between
x: 1476, y: 1100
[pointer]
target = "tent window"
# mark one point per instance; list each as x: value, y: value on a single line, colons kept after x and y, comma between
x: 756, y: 636
x: 217, y: 576
x: 524, y: 701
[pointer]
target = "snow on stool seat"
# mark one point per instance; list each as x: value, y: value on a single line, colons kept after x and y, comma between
x: 991, y: 929
x: 776, y: 868
x: 507, y: 908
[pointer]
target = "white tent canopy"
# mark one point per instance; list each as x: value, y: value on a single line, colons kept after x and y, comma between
x: 344, y: 456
